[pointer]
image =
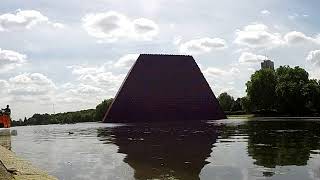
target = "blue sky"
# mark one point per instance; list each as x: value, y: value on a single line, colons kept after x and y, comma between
x: 75, y: 54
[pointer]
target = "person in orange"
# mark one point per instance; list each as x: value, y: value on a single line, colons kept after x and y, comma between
x: 7, y: 110
x: 5, y: 117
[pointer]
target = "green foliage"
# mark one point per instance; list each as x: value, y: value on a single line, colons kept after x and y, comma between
x: 286, y: 90
x: 89, y: 115
x: 246, y: 104
x: 236, y: 105
x: 229, y: 105
x: 261, y: 89
x: 101, y: 109
x: 225, y: 101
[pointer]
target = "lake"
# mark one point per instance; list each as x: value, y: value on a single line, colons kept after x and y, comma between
x: 223, y: 150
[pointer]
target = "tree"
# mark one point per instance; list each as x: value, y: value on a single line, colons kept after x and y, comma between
x: 225, y: 101
x: 101, y: 109
x: 312, y: 94
x: 246, y: 104
x: 291, y: 89
x: 261, y: 89
x: 236, y: 105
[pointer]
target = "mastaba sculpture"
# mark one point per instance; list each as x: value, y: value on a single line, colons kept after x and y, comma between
x: 164, y: 88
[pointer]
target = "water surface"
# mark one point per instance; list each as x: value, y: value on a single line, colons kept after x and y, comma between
x: 226, y: 150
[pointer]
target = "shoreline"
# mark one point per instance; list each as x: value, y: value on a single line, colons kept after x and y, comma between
x: 16, y: 168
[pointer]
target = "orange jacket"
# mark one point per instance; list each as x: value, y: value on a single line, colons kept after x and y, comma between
x: 5, y: 120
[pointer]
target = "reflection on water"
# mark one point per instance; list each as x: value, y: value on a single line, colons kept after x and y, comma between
x: 5, y: 141
x: 176, y: 151
x: 282, y: 143
x: 227, y: 149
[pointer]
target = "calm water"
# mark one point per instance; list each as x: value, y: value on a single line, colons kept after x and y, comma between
x: 226, y: 150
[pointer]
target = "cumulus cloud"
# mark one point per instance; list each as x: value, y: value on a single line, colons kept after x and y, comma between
x: 85, y: 89
x: 111, y: 26
x: 249, y: 58
x: 4, y: 85
x: 24, y: 19
x: 297, y: 16
x: 98, y: 77
x: 10, y: 59
x: 219, y: 84
x: 212, y: 72
x: 298, y: 38
x: 126, y: 61
x: 265, y: 12
x: 203, y: 45
x: 314, y: 57
x: 34, y: 84
x: 258, y: 36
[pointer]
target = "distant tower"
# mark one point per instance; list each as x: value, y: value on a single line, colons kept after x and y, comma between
x: 267, y: 64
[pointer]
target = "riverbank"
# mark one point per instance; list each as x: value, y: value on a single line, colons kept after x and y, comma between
x: 15, y: 168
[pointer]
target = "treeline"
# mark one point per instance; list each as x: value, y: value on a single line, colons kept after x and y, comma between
x: 284, y: 91
x: 90, y: 115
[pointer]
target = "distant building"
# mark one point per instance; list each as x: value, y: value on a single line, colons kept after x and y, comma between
x: 267, y: 64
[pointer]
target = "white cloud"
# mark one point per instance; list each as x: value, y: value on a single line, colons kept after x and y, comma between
x: 24, y: 19
x: 86, y: 69
x: 247, y: 57
x: 203, y: 45
x: 126, y: 61
x: 296, y: 38
x: 85, y: 89
x: 314, y: 57
x: 265, y: 12
x: 4, y: 85
x: 10, y: 59
x: 144, y: 28
x: 34, y: 84
x: 258, y: 36
x: 177, y: 40
x: 110, y: 26
x: 219, y: 84
x: 296, y: 16
x: 99, y: 77
x: 212, y: 72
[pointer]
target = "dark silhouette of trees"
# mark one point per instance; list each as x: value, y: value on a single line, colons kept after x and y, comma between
x: 261, y: 89
x: 101, y: 109
x: 89, y: 115
x: 229, y: 105
x: 225, y: 101
x: 285, y: 91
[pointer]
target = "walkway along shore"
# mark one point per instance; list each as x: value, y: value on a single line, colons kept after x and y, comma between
x: 13, y: 167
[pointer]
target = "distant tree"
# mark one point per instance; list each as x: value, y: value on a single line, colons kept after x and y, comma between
x: 236, y: 105
x: 291, y: 89
x: 225, y: 101
x: 312, y: 94
x: 246, y: 104
x: 101, y: 109
x: 261, y: 89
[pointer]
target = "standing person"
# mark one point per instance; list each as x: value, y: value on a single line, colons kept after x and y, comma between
x: 7, y: 110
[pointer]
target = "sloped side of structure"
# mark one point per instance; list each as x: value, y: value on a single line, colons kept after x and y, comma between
x: 164, y: 88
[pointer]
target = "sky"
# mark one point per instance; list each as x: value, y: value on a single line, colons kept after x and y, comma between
x: 59, y: 56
